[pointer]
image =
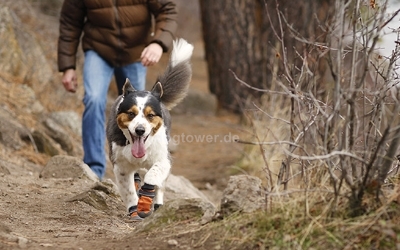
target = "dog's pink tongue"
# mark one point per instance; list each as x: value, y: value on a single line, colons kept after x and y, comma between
x: 138, y: 149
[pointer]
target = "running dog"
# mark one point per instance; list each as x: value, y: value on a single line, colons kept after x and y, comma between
x: 138, y: 131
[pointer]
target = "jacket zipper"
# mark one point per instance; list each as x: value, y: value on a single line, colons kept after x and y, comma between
x: 118, y: 23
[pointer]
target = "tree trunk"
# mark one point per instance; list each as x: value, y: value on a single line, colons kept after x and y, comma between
x: 239, y: 37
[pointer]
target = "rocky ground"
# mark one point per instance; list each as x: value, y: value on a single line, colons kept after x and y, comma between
x: 57, y: 207
x: 44, y: 213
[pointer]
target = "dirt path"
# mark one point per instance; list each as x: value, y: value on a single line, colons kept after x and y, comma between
x: 206, y: 151
x: 36, y: 213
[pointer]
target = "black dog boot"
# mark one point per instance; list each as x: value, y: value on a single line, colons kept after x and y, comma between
x: 138, y: 182
x: 157, y: 206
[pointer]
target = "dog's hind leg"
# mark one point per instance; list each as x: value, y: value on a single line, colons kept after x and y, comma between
x: 126, y: 186
x: 138, y: 182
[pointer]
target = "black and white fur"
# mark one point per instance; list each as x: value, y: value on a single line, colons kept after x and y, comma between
x: 142, y: 117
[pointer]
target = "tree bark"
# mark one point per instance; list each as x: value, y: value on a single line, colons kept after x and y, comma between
x: 239, y: 37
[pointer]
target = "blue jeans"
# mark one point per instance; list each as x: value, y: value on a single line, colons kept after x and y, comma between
x: 97, y: 75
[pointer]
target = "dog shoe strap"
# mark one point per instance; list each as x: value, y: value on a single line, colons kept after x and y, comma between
x: 147, y: 190
x: 138, y: 182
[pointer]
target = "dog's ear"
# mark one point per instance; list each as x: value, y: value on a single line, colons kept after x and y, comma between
x: 127, y: 88
x: 157, y: 90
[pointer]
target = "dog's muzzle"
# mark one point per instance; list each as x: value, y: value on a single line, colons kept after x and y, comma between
x: 138, y: 148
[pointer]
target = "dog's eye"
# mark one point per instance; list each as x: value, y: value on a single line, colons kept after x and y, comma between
x: 150, y: 116
x: 131, y: 114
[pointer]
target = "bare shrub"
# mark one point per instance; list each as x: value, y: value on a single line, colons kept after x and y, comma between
x: 335, y: 119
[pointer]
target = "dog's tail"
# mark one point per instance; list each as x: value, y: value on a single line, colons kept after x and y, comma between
x: 176, y: 78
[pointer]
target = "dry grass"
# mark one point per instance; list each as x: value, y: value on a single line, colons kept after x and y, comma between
x: 287, y: 225
x: 306, y: 215
x: 295, y: 220
x: 265, y: 140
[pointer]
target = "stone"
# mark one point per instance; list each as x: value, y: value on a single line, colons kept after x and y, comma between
x: 197, y: 102
x: 45, y: 144
x: 102, y: 196
x: 58, y: 134
x: 64, y: 166
x: 180, y: 187
x: 196, y: 210
x: 69, y: 119
x: 12, y: 132
x: 5, y: 167
x: 20, y: 52
x: 243, y: 193
x: 93, y: 198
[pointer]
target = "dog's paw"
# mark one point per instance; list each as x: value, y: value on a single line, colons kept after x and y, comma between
x: 144, y: 206
x: 157, y: 206
x: 135, y: 217
x: 133, y: 214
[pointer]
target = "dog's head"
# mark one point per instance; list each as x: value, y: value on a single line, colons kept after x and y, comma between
x: 139, y: 116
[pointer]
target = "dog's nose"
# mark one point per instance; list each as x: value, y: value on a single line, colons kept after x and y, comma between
x: 139, y: 130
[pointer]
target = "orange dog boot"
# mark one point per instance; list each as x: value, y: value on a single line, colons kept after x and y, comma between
x: 146, y: 196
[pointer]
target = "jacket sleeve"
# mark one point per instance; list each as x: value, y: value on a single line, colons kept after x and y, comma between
x: 72, y: 19
x: 165, y: 14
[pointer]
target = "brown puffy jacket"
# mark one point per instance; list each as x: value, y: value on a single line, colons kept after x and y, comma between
x: 118, y: 30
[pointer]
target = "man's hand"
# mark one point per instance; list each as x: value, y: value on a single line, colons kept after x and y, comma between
x: 151, y: 54
x: 69, y: 80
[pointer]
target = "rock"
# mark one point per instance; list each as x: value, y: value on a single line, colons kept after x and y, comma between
x: 243, y: 194
x: 178, y: 187
x: 58, y: 134
x: 94, y: 198
x: 21, y: 54
x: 69, y: 119
x: 197, y: 102
x: 11, y: 131
x: 102, y: 196
x: 63, y: 166
x: 3, y: 167
x: 179, y: 210
x: 64, y: 128
x: 7, y: 237
x: 22, y: 242
x: 172, y: 242
x: 108, y: 187
x: 45, y: 144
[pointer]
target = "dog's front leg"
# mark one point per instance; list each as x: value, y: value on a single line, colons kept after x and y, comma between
x: 155, y: 177
x: 159, y: 200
